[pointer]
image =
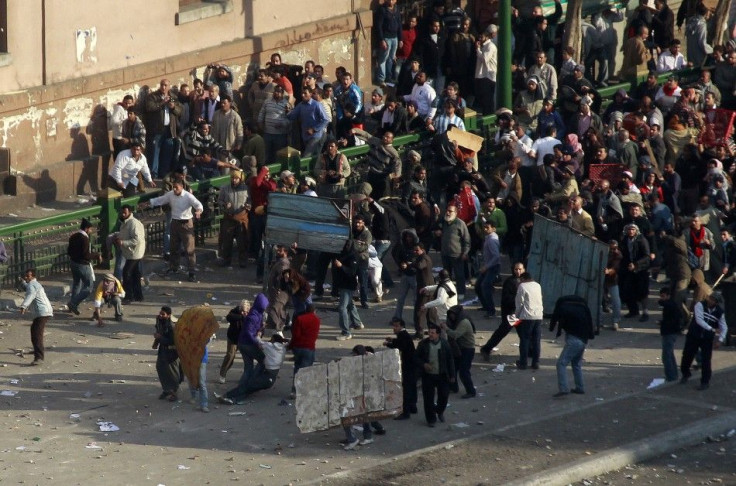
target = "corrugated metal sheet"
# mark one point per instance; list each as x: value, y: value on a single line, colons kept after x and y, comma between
x: 564, y: 262
x: 314, y: 223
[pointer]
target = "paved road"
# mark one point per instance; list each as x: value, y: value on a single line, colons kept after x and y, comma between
x: 514, y: 428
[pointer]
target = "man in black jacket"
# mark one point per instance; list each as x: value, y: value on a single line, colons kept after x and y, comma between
x: 82, y: 259
x: 573, y: 316
x: 405, y: 344
x: 434, y: 361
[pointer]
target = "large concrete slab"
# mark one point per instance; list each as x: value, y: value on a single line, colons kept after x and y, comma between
x: 351, y: 390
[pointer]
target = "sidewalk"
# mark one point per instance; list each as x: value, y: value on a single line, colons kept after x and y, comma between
x: 513, y: 430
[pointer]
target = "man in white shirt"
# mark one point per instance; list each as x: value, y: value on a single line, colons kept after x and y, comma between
x: 115, y: 119
x: 423, y: 95
x: 486, y: 67
x: 182, y: 226
x: 671, y: 59
x: 530, y: 311
x: 545, y: 145
x: 123, y: 174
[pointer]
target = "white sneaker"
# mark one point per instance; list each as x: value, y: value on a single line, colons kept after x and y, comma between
x: 351, y: 445
x: 205, y: 410
x: 366, y: 441
x: 344, y: 337
x: 220, y: 379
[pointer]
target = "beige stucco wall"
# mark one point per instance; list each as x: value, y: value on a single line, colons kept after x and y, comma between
x: 61, y: 126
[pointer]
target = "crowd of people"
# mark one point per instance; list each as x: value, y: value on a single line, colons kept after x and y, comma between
x: 650, y: 174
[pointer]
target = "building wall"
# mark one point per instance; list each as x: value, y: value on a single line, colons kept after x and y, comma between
x: 56, y: 134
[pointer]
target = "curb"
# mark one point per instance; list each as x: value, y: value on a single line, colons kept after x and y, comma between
x: 632, y: 453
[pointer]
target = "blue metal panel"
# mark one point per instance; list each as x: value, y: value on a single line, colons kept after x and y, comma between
x: 314, y: 223
x: 565, y: 262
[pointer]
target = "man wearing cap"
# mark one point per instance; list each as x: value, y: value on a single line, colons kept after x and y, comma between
x: 124, y: 172
x: 234, y: 203
x: 671, y: 59
x: 706, y: 332
x: 287, y: 182
x: 81, y: 259
x: 131, y: 239
x: 182, y: 227
x: 109, y: 291
x: 373, y: 108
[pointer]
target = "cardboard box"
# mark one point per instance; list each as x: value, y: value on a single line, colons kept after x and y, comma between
x: 466, y: 140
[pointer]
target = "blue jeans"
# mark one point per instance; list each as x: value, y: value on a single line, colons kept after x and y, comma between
x: 167, y: 231
x: 386, y: 59
x: 530, y: 341
x: 347, y: 312
x: 83, y: 279
x: 119, y: 264
x: 486, y: 288
x: 350, y: 435
x: 313, y: 146
x: 571, y: 353
x: 668, y: 357
x: 615, y: 303
x: 303, y: 358
x: 203, y: 402
x: 250, y: 353
x: 456, y: 267
x: 382, y: 247
x: 407, y: 284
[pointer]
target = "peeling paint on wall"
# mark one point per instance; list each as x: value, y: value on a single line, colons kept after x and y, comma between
x: 9, y: 125
x: 77, y: 112
x: 337, y: 50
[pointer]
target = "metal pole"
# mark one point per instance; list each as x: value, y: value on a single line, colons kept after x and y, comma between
x: 503, y: 77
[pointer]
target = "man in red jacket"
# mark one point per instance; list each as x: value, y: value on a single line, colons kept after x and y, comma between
x: 259, y: 186
x: 304, y: 334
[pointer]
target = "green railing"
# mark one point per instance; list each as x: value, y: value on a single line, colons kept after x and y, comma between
x: 41, y: 243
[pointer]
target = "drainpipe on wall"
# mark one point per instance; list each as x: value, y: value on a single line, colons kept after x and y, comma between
x: 43, y: 42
